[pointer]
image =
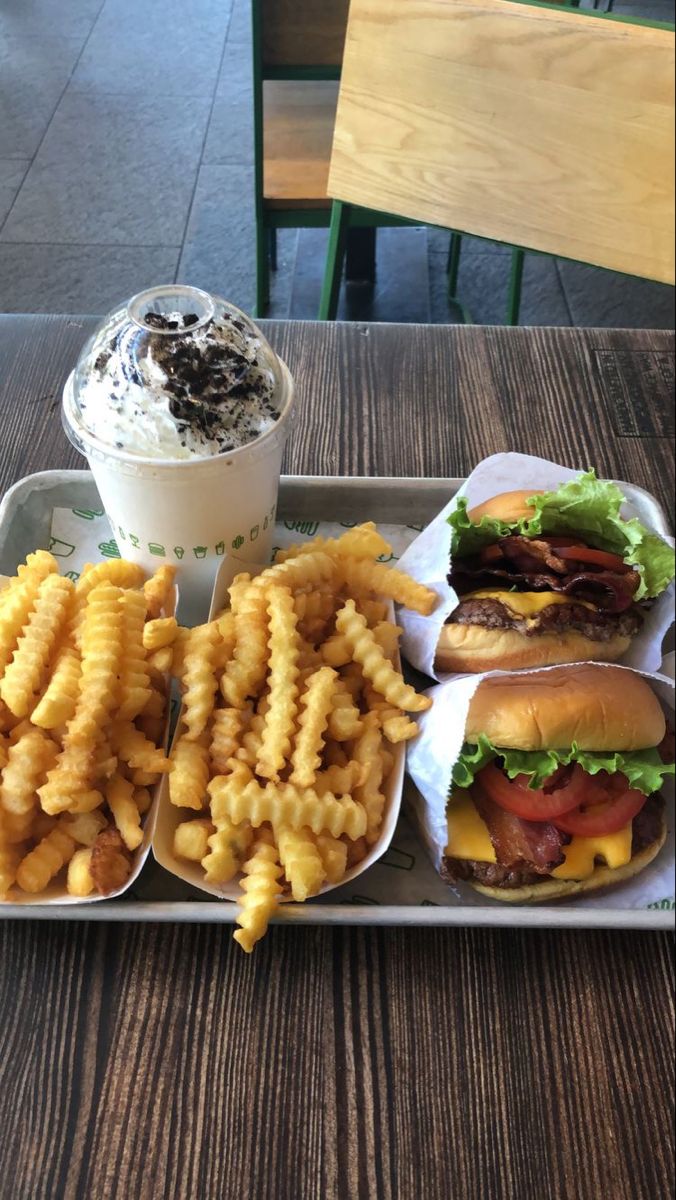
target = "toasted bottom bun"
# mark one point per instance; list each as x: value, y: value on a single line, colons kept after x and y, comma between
x: 474, y: 648
x: 563, y: 889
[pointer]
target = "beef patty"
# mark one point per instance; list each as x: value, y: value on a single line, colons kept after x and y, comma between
x: 646, y: 829
x: 556, y: 618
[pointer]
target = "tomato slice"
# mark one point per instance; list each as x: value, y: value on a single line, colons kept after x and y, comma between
x: 563, y: 792
x: 596, y: 820
x: 597, y: 558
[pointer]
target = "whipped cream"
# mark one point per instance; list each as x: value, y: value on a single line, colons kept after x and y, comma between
x: 179, y: 393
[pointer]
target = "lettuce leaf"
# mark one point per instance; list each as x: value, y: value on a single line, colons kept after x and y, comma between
x: 587, y: 506
x: 643, y: 768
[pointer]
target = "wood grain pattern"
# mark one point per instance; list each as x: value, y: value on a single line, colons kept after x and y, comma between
x: 151, y: 1061
x: 546, y: 128
x: 299, y: 120
x: 303, y: 32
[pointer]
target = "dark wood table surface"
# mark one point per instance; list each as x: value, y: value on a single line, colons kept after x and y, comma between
x: 159, y: 1061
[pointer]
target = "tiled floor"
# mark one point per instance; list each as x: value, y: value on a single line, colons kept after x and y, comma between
x: 126, y: 160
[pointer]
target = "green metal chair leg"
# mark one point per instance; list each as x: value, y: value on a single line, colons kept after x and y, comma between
x: 262, y: 269
x: 335, y: 255
x: 514, y: 294
x: 453, y: 264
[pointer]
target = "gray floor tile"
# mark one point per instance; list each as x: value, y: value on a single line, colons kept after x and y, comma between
x: 79, y: 279
x: 69, y: 18
x: 438, y: 241
x: 401, y: 288
x: 483, y: 284
x: 33, y: 73
x: 281, y: 280
x: 651, y: 10
x: 239, y: 31
x: 219, y: 251
x: 12, y: 172
x: 230, y: 134
x: 94, y: 182
x: 603, y: 298
x: 160, y: 48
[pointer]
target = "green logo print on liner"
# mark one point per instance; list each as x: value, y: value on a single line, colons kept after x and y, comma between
x: 87, y: 514
x: 220, y: 547
x: 309, y: 528
x: 134, y: 541
x: 179, y: 551
x: 237, y: 542
x: 254, y: 533
x: 199, y: 551
x: 109, y: 549
x: 61, y: 549
x: 74, y: 575
x: 158, y: 549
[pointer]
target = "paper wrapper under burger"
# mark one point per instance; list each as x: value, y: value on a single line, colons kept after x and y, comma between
x: 433, y: 754
x: 428, y: 559
x: 169, y: 817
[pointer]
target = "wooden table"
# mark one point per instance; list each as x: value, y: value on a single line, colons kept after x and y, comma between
x: 151, y: 1061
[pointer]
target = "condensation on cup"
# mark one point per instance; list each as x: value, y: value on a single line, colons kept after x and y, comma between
x: 182, y: 410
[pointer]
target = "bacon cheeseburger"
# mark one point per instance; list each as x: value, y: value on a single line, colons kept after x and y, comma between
x: 556, y: 789
x: 549, y: 577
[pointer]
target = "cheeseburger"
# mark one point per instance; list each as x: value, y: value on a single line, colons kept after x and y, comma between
x: 549, y: 577
x: 556, y: 790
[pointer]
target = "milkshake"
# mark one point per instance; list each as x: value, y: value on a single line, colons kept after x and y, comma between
x: 182, y: 410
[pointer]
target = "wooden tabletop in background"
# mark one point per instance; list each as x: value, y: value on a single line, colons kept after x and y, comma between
x: 158, y: 1061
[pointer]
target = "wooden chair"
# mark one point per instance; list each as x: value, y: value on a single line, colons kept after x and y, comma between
x: 297, y: 55
x: 545, y: 128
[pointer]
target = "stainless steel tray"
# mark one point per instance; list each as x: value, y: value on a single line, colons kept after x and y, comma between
x: 25, y: 523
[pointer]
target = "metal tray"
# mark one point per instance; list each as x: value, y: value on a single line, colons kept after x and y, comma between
x: 25, y: 523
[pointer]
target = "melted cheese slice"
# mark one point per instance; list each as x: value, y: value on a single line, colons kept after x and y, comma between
x: 468, y: 835
x: 614, y: 849
x: 525, y: 604
x: 468, y: 838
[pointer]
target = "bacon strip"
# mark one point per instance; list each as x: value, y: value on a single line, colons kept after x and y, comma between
x: 518, y: 843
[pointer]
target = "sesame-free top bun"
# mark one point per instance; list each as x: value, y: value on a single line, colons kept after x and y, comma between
x: 507, y: 506
x: 597, y: 707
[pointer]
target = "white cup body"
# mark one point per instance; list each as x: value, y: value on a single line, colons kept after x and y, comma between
x: 190, y: 513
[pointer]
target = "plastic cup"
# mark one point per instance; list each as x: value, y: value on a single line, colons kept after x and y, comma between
x: 188, y: 512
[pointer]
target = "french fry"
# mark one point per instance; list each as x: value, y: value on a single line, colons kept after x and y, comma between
x: 120, y: 799
x: 333, y: 853
x: 302, y: 862
x: 261, y: 891
x: 79, y: 880
x: 109, y: 865
x: 363, y: 541
x: 28, y: 761
x: 376, y: 667
x: 19, y: 601
x: 228, y: 848
x: 158, y: 591
x: 363, y: 575
x: 134, y: 677
x: 101, y: 655
x: 280, y: 717
x: 283, y: 805
x: 199, y: 679
x: 132, y: 747
x: 227, y: 726
x: 25, y: 673
x: 116, y: 571
x: 191, y: 839
x: 368, y: 793
x: 246, y: 670
x: 57, y: 704
x: 45, y: 861
x: 159, y: 632
x: 190, y: 774
x: 316, y: 703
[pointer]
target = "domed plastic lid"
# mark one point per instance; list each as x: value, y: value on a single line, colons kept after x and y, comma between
x: 175, y: 374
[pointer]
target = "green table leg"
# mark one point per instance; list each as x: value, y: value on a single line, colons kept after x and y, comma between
x: 340, y: 218
x: 514, y: 294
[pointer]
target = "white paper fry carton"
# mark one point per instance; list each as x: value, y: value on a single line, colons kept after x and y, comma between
x: 432, y: 757
x: 428, y: 557
x: 169, y: 817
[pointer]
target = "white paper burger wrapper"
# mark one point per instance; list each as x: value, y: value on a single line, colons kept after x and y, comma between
x: 169, y: 817
x: 193, y: 512
x: 432, y: 757
x: 428, y: 558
